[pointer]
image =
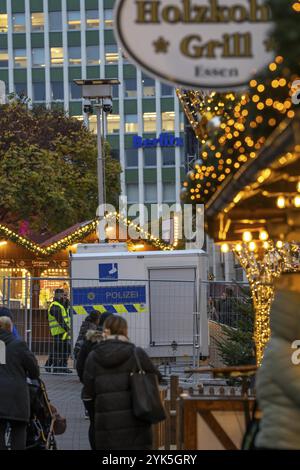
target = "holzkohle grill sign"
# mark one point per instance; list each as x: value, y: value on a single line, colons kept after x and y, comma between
x: 196, y: 44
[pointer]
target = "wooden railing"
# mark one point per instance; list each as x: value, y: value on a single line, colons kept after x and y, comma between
x: 195, y: 421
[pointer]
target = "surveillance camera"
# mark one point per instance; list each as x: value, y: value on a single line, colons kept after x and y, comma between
x: 107, y: 105
x: 87, y: 107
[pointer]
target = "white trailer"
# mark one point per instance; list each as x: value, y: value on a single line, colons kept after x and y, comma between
x: 159, y: 293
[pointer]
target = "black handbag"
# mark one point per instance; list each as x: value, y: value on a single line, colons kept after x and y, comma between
x: 146, y: 400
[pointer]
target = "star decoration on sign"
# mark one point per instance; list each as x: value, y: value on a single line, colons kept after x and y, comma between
x: 161, y: 45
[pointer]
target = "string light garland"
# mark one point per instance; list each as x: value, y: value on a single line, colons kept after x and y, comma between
x: 262, y: 272
x: 77, y: 236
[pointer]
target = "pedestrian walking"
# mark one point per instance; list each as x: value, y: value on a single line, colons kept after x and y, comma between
x: 92, y: 338
x: 17, y: 364
x: 278, y: 378
x: 107, y: 383
x: 59, y: 324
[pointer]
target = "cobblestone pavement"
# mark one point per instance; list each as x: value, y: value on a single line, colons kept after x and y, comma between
x: 64, y: 393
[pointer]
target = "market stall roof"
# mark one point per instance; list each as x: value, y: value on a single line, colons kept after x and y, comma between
x: 73, y: 235
x: 248, y: 200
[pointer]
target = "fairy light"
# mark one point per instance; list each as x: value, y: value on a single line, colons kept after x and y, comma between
x: 247, y: 237
x: 281, y: 202
x: 261, y: 274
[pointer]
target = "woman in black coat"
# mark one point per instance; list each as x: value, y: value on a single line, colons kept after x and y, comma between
x: 106, y: 381
x: 19, y: 363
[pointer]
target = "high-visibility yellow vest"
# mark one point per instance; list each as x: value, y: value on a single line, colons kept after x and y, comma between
x: 55, y: 327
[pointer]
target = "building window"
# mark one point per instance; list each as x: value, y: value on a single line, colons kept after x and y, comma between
x: 3, y: 23
x: 108, y: 19
x: 18, y: 21
x: 148, y: 86
x: 75, y: 91
x: 168, y: 156
x: 132, y: 158
x: 132, y: 191
x: 166, y: 90
x: 131, y: 123
x: 74, y: 20
x: 38, y: 57
x: 74, y: 54
x: 21, y: 89
x: 150, y: 192
x: 37, y: 22
x: 57, y: 55
x: 55, y: 21
x: 115, y: 91
x: 92, y: 19
x: 20, y: 59
x: 111, y: 53
x: 169, y: 192
x: 57, y: 91
x: 39, y: 92
x: 149, y: 120
x: 181, y: 121
x: 113, y: 123
x: 3, y: 58
x: 93, y: 55
x: 168, y: 121
x: 150, y: 156
x: 93, y: 124
x: 130, y: 86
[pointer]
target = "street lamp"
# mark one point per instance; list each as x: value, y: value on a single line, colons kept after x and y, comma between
x: 98, y: 91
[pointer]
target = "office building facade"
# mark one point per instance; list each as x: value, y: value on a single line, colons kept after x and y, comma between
x: 46, y: 44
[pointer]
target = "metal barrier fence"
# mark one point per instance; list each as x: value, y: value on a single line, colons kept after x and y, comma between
x: 227, y: 303
x: 167, y: 318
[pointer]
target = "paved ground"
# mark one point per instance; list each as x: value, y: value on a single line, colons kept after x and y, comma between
x: 64, y: 393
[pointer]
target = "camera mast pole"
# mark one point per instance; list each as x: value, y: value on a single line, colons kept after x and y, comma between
x: 100, y: 166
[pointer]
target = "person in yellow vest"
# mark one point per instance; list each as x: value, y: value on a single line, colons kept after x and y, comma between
x: 60, y: 325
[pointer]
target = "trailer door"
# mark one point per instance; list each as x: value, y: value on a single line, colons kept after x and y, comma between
x: 172, y: 303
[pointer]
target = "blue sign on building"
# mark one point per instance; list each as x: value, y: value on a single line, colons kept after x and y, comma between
x: 164, y: 140
x: 108, y: 272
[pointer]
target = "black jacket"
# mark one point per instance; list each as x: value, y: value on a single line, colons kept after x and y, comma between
x: 92, y: 339
x: 86, y: 325
x: 106, y: 380
x: 14, y: 392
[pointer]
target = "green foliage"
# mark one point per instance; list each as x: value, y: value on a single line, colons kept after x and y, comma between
x: 48, y: 172
x: 237, y: 345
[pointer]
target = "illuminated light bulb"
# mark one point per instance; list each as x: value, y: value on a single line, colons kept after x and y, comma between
x: 281, y: 202
x: 225, y: 248
x: 247, y: 237
x: 296, y: 201
x: 238, y: 247
x: 263, y: 236
x: 252, y: 246
x: 266, y: 245
x: 273, y: 67
x: 279, y: 244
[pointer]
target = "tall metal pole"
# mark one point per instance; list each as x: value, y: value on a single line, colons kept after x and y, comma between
x: 100, y: 160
